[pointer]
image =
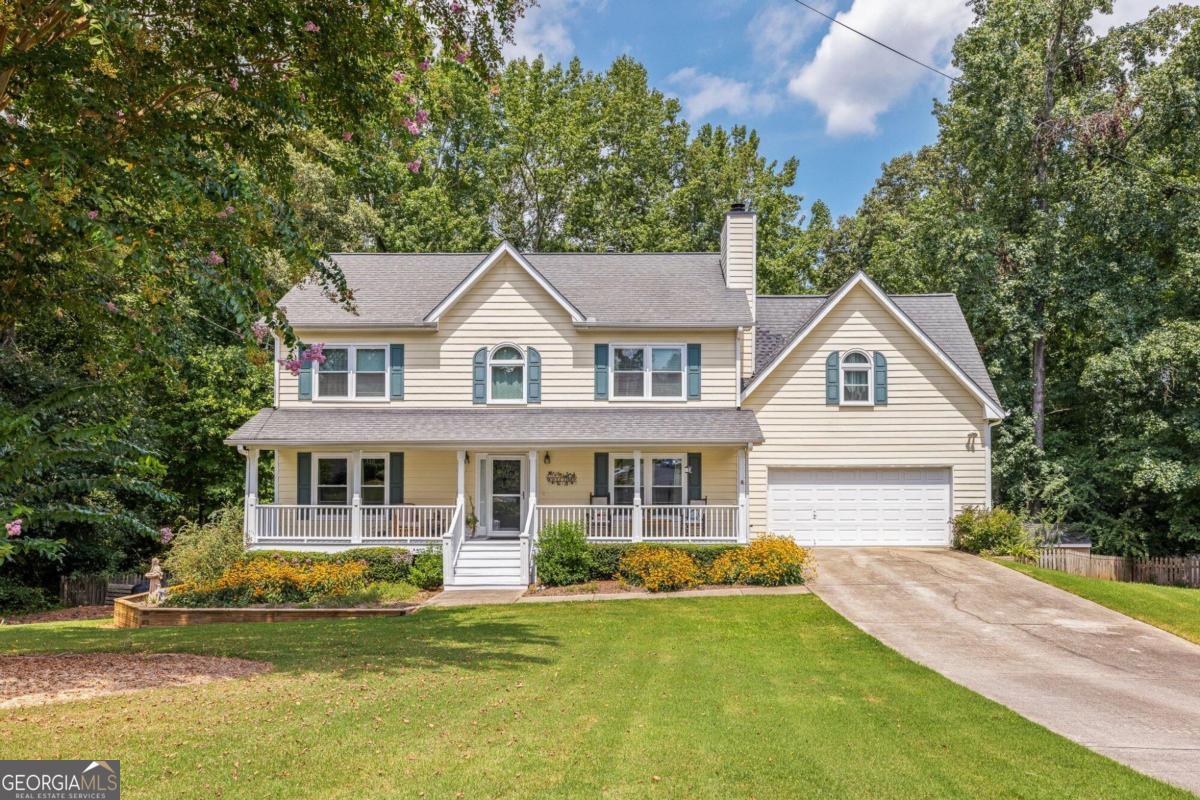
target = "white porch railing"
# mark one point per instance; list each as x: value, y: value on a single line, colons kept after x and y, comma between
x: 347, y: 525
x: 716, y: 523
x: 690, y: 523
x: 452, y: 541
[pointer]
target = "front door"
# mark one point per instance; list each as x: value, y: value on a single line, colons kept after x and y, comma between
x: 507, y: 491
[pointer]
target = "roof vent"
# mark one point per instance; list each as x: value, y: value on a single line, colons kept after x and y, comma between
x: 738, y: 206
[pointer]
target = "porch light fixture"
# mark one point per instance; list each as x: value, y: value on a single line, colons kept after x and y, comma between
x: 546, y: 458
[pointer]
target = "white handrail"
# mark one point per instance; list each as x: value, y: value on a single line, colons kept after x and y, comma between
x: 452, y: 541
x: 528, y: 542
x: 405, y: 522
x: 334, y: 525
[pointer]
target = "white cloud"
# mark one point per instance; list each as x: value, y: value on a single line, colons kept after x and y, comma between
x: 778, y: 30
x: 852, y: 81
x: 1124, y: 12
x: 703, y: 93
x: 543, y: 31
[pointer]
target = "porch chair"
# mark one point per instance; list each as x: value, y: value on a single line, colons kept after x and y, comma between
x: 694, y: 519
x: 599, y: 519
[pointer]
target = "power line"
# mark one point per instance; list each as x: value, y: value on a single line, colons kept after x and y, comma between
x: 884, y: 45
x: 955, y: 79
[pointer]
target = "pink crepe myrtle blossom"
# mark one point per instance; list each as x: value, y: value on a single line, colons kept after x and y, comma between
x: 292, y: 365
x: 225, y: 212
x: 314, y: 353
x: 111, y: 306
x: 120, y: 116
x: 166, y: 534
x: 462, y: 55
x: 347, y: 136
x: 311, y: 27
x: 260, y: 330
x: 398, y: 76
x: 422, y: 116
x: 233, y: 84
x: 14, y: 528
x: 457, y: 7
x: 93, y: 214
x: 214, y: 258
x: 303, y: 97
x: 424, y: 65
x: 411, y: 126
x: 414, y: 166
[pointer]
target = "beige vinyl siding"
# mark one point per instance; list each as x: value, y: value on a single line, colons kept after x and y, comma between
x: 740, y: 262
x: 430, y: 476
x: 507, y: 305
x: 930, y: 420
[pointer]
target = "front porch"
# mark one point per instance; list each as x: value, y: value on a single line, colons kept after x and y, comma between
x: 339, y: 498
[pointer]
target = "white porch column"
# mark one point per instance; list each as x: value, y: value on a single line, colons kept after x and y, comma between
x: 533, y: 483
x: 637, y: 495
x: 249, y: 523
x: 356, y: 497
x: 460, y: 499
x: 743, y: 495
x: 477, y: 484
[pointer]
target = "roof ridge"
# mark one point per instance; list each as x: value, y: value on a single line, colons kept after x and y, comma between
x: 525, y: 253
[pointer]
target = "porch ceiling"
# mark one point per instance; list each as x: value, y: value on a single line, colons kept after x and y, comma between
x: 295, y: 427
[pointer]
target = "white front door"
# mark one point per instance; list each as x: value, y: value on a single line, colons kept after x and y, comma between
x: 506, y: 492
x: 865, y: 507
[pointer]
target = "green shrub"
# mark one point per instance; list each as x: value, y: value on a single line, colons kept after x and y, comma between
x: 606, y: 556
x: 994, y: 532
x: 379, y: 593
x: 659, y: 569
x: 426, y: 570
x: 17, y: 598
x: 202, y: 553
x: 563, y: 557
x: 766, y: 561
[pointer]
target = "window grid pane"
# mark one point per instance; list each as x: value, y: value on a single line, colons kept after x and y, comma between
x: 369, y: 360
x: 508, y: 383
x: 629, y: 384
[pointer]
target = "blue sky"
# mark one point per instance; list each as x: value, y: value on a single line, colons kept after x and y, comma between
x: 838, y: 103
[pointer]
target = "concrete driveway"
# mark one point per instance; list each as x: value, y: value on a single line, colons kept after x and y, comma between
x: 1108, y: 682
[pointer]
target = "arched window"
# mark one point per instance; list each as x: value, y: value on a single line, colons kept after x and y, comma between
x: 506, y: 375
x: 856, y: 378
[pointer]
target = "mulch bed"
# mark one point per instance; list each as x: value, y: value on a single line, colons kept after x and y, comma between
x: 42, y: 679
x: 61, y: 615
x: 591, y: 587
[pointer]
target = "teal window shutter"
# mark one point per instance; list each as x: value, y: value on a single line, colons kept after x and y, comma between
x: 534, y: 385
x: 601, y: 373
x: 693, y: 372
x: 306, y: 376
x: 695, y: 482
x: 395, y: 478
x: 832, y: 381
x: 397, y: 378
x: 479, y: 378
x: 304, y: 479
x: 880, y: 379
x: 600, y: 477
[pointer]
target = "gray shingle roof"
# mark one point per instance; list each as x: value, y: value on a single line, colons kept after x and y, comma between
x: 496, y: 426
x: 625, y: 289
x: 938, y: 315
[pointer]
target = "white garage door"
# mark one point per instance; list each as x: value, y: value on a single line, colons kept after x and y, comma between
x: 884, y: 507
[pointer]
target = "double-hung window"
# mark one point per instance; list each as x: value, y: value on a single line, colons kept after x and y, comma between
x: 332, y: 480
x: 506, y: 375
x: 622, y: 481
x: 856, y: 379
x: 374, y: 480
x: 648, y: 372
x: 352, y: 372
x: 667, y: 481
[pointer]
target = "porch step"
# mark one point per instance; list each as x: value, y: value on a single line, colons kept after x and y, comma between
x: 488, y: 562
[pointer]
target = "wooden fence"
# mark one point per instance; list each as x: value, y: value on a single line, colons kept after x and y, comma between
x: 95, y: 590
x: 1177, y: 571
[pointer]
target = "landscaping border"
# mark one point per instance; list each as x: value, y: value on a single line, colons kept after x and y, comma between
x: 130, y: 612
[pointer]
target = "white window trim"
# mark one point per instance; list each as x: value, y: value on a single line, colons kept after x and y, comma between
x: 352, y: 372
x: 387, y: 476
x: 868, y: 368
x: 647, y: 488
x: 648, y: 372
x: 523, y: 364
x: 317, y: 458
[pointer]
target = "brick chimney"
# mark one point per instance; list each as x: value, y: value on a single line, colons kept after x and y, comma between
x: 739, y: 262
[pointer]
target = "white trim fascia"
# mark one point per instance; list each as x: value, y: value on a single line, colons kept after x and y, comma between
x: 991, y: 409
x: 504, y: 248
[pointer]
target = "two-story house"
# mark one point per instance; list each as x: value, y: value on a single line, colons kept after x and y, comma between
x: 472, y: 398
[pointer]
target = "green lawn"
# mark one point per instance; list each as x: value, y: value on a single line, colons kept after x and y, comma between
x: 767, y: 697
x: 1168, y: 607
